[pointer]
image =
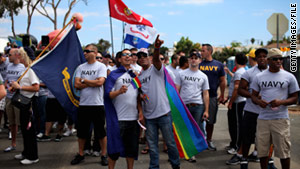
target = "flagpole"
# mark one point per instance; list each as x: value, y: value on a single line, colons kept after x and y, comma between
x: 43, y: 51
x: 112, y: 39
x: 123, y: 44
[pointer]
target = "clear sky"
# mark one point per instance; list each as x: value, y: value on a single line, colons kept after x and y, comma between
x: 218, y: 22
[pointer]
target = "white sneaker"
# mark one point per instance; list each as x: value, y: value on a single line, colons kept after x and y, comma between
x: 27, y: 162
x: 87, y: 152
x: 74, y: 131
x: 19, y: 157
x: 67, y: 133
x: 40, y: 135
x: 232, y: 151
x: 96, y: 154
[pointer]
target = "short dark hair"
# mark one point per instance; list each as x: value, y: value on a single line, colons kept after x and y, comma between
x: 93, y: 46
x: 209, y: 47
x: 124, y: 50
x: 241, y: 59
x: 174, y: 57
x: 133, y: 49
x: 183, y: 60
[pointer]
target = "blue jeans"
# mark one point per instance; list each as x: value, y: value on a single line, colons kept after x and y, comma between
x: 164, y: 123
x: 197, y: 113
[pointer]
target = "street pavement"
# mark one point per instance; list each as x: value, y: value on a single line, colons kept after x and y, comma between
x: 59, y: 154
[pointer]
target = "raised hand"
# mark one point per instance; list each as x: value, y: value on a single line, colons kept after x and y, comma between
x: 158, y: 42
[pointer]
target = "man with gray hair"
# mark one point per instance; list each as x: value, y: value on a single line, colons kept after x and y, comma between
x: 273, y: 90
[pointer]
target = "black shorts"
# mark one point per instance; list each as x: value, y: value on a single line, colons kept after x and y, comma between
x: 86, y: 116
x: 129, y: 131
x: 249, y: 127
x: 55, y: 112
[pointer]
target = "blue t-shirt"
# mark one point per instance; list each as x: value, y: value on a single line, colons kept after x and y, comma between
x: 214, y: 70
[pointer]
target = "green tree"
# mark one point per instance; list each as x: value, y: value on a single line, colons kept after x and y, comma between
x: 10, y: 8
x: 103, y: 45
x: 252, y: 40
x: 185, y: 45
x: 197, y: 46
x: 235, y: 44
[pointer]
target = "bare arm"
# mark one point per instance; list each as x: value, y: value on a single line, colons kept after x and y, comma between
x: 292, y: 99
x: 234, y: 94
x: 33, y: 88
x: 178, y: 88
x: 222, y: 88
x: 256, y: 99
x: 243, y: 89
x: 156, y: 61
x: 114, y: 94
x: 89, y: 83
x: 2, y: 92
x: 206, y: 103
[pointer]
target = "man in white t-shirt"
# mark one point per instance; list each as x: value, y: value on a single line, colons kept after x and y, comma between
x: 273, y: 90
x: 89, y: 78
x: 157, y: 110
x: 193, y: 87
x: 173, y: 66
x: 236, y: 104
x: 124, y: 98
x: 137, y: 68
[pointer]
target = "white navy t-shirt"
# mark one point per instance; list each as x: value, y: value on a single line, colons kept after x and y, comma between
x: 153, y: 84
x: 192, y: 84
x: 273, y: 86
x: 13, y: 72
x: 126, y: 103
x: 91, y: 96
x: 249, y: 76
x: 237, y: 76
x: 137, y: 68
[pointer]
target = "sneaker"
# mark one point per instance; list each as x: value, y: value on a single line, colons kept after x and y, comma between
x: 253, y: 158
x: 9, y: 149
x: 104, y: 161
x: 28, y: 162
x: 96, y: 154
x: 67, y: 133
x: 235, y: 160
x: 228, y: 148
x: 40, y: 135
x: 232, y: 151
x: 211, y: 146
x: 19, y: 157
x: 44, y: 138
x: 87, y: 152
x: 271, y: 164
x: 192, y: 159
x: 244, y: 164
x: 9, y: 135
x: 78, y: 159
x: 58, y: 138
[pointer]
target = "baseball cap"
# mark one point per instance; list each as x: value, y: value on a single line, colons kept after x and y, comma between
x: 195, y: 54
x: 142, y: 52
x: 259, y: 50
x: 251, y: 53
x: 274, y: 52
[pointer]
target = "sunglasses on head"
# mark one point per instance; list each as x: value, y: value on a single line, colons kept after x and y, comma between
x: 276, y: 59
x: 88, y: 51
x: 98, y: 57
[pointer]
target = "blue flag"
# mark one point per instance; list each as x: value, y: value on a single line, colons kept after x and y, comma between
x: 139, y: 36
x: 57, y: 70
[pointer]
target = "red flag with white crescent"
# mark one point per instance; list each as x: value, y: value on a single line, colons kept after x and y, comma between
x: 120, y: 11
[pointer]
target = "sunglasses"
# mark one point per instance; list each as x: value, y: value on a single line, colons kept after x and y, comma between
x: 98, y: 57
x: 126, y: 54
x: 88, y: 51
x: 162, y: 58
x: 140, y: 55
x: 276, y: 59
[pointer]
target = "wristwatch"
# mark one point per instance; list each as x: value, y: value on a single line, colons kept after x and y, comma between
x: 82, y: 81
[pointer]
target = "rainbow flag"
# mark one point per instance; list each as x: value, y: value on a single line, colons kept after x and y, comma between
x: 136, y: 83
x: 188, y: 136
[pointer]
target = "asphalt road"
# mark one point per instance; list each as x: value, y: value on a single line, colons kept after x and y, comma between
x: 59, y: 154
